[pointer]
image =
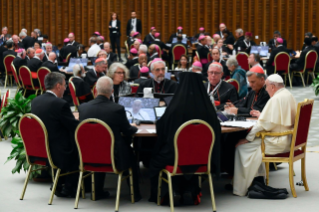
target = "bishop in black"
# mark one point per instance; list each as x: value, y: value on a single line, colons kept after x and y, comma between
x: 190, y: 102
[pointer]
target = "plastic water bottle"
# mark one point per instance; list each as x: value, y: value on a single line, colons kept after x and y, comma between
x: 234, y: 52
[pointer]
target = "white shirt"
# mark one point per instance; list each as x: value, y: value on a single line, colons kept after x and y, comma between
x: 93, y: 50
x: 113, y: 23
x: 133, y: 23
x: 51, y: 92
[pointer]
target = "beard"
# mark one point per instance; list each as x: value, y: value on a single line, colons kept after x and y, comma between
x: 159, y: 79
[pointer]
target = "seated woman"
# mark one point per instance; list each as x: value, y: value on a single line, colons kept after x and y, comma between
x: 144, y: 75
x: 183, y: 64
x: 37, y: 45
x: 82, y: 88
x: 119, y: 74
x: 189, y: 102
x: 239, y: 74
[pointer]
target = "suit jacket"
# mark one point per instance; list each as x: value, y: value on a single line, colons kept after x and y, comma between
x: 60, y: 123
x: 302, y: 59
x: 117, y: 30
x: 34, y: 64
x: 112, y: 58
x: 138, y: 27
x: 174, y: 35
x: 240, y: 43
x: 9, y: 52
x: 134, y: 72
x: 113, y: 115
x: 272, y: 44
x: 18, y: 62
x: 2, y: 50
x: 18, y: 46
x: 75, y: 44
x: 65, y: 50
x: 167, y: 86
x: 91, y: 77
x: 131, y: 62
x: 202, y: 51
x: 28, y: 42
x: 148, y: 39
x: 140, y: 80
x: 274, y: 52
x: 51, y: 66
x: 83, y: 90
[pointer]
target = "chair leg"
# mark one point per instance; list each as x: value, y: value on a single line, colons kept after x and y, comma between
x: 289, y: 80
x: 159, y: 188
x: 307, y: 77
x: 131, y: 185
x: 200, y: 181
x: 24, y: 92
x: 267, y: 173
x: 5, y: 82
x: 93, y: 186
x: 291, y: 179
x: 52, y: 170
x: 302, y: 78
x: 57, y: 175
x: 26, y: 182
x: 117, y: 201
x: 83, y: 189
x: 170, y: 188
x: 275, y: 166
x: 212, y: 191
x: 303, y: 173
x: 76, y: 204
x: 285, y: 79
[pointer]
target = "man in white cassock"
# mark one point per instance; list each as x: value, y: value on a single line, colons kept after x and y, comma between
x: 277, y: 116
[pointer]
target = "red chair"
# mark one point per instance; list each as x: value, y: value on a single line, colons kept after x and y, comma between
x: 134, y: 88
x: 177, y: 51
x: 41, y: 73
x: 235, y: 83
x: 73, y: 94
x: 310, y: 65
x: 209, y: 57
x: 311, y: 71
x: 242, y: 59
x: 16, y: 77
x: 158, y: 50
x: 26, y: 80
x: 193, y: 144
x: 282, y: 63
x: 298, y: 145
x: 95, y: 142
x: 7, y: 64
x: 35, y: 140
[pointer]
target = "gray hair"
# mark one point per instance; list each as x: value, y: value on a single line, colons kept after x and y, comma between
x: 277, y: 33
x: 258, y: 75
x: 104, y: 85
x: 38, y: 31
x: 52, y: 79
x: 143, y: 48
x: 100, y: 63
x: 22, y: 34
x: 159, y: 61
x: 24, y: 30
x: 99, y: 38
x: 240, y: 31
x: 4, y: 28
x: 92, y: 39
x: 39, y: 54
x: 76, y: 69
x: 232, y: 61
x: 137, y: 101
x: 48, y: 44
x: 216, y: 65
x: 113, y: 68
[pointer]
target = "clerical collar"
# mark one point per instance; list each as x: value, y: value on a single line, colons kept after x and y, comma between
x: 279, y: 46
x: 135, y: 58
x: 36, y: 57
x: 156, y: 39
x: 157, y: 86
x: 134, y: 19
x: 51, y: 92
x: 71, y: 44
x: 200, y: 44
x: 142, y: 77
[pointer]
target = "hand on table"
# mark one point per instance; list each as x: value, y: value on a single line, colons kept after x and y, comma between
x: 232, y: 110
x: 231, y: 47
x: 255, y: 113
x: 134, y: 125
x: 241, y: 142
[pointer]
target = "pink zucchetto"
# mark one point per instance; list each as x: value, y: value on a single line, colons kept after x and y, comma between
x: 201, y: 29
x: 201, y: 37
x: 280, y: 40
x: 66, y: 40
x: 133, y: 51
x: 157, y: 34
x: 197, y: 64
x: 144, y: 70
x: 179, y: 28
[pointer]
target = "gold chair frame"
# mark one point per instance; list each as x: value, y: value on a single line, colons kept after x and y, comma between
x: 6, y: 80
x: 77, y: 99
x: 126, y: 47
x: 302, y: 74
x: 119, y: 173
x: 25, y: 89
x: 160, y: 50
x: 53, y: 167
x: 233, y: 80
x: 68, y: 58
x: 18, y: 83
x: 291, y: 159
x: 45, y: 68
x: 174, y: 62
x: 284, y: 53
x: 170, y: 175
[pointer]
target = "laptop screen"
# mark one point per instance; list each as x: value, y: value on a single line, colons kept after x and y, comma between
x: 261, y: 50
x: 74, y: 61
x: 139, y: 108
x: 159, y: 112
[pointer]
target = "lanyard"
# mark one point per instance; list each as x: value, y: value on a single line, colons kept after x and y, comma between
x: 216, y: 89
x: 248, y: 45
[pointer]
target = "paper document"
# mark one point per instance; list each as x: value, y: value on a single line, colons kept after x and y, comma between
x: 138, y: 131
x: 151, y: 130
x: 241, y: 124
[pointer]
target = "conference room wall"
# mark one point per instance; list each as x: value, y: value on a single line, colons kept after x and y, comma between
x: 58, y: 17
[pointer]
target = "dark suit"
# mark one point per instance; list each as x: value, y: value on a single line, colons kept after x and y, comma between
x: 51, y: 66
x: 115, y: 35
x: 202, y: 51
x: 34, y: 64
x: 83, y: 90
x: 28, y: 42
x: 65, y: 50
x: 140, y: 80
x: 9, y: 52
x: 2, y: 40
x: 272, y: 44
x: 131, y: 62
x: 269, y: 65
x: 166, y: 86
x: 148, y: 39
x: 115, y: 116
x: 300, y: 63
x: 129, y: 27
x: 18, y: 62
x: 240, y: 43
x: 171, y: 38
x: 134, y: 72
x: 75, y: 44
x: 92, y: 76
x: 19, y: 45
x: 111, y: 59
x: 163, y: 46
x: 2, y: 68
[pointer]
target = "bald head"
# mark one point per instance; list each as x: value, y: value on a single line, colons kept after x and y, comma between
x: 104, y: 86
x: 52, y: 56
x: 222, y: 26
x: 15, y: 39
x: 107, y: 47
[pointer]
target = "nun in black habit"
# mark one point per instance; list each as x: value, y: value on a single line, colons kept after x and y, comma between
x: 190, y: 102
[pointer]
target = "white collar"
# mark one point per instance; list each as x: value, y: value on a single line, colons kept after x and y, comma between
x: 51, y: 92
x: 135, y: 58
x: 156, y: 53
x: 200, y: 44
x: 70, y: 44
x: 36, y: 57
x: 279, y: 46
x: 142, y: 77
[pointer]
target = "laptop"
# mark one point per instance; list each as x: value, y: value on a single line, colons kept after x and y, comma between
x: 74, y: 61
x: 261, y: 50
x: 159, y: 112
x: 221, y: 117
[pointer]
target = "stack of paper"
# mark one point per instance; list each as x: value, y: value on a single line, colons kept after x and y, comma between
x: 241, y: 124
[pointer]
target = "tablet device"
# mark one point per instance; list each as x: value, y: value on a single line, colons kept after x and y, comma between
x: 221, y: 117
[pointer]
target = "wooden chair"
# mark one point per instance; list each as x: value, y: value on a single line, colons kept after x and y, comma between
x: 35, y: 140
x: 310, y: 64
x: 95, y: 142
x: 235, y: 83
x: 16, y: 77
x: 194, y: 153
x: 7, y: 64
x: 26, y: 80
x: 298, y: 145
x: 177, y: 51
x: 75, y: 99
x: 41, y: 73
x: 242, y: 59
x: 282, y: 63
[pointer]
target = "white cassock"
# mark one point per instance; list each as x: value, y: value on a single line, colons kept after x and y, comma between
x: 277, y: 116
x: 140, y: 115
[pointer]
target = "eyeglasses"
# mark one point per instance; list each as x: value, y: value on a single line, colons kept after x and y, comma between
x: 119, y: 73
x: 214, y: 73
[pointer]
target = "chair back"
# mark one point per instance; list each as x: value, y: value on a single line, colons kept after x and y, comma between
x: 282, y: 62
x: 15, y: 76
x: 126, y: 47
x: 134, y: 88
x: 301, y: 126
x: 95, y: 142
x: 242, y: 59
x: 41, y: 73
x: 7, y: 63
x: 26, y: 77
x: 178, y: 51
x: 94, y: 91
x: 158, y: 50
x: 193, y: 143
x: 235, y: 83
x: 311, y: 60
x: 68, y: 58
x: 35, y: 139
x: 73, y: 93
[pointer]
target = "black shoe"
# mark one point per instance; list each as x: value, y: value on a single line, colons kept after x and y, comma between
x: 67, y: 192
x: 228, y: 187
x: 101, y: 195
x: 188, y: 198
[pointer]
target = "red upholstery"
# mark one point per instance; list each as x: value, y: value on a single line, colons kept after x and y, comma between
x: 33, y: 137
x: 34, y: 75
x: 40, y: 162
x: 286, y: 154
x: 14, y: 73
x: 134, y: 89
x: 311, y: 60
x: 282, y: 63
x: 7, y: 63
x: 6, y: 99
x: 94, y: 91
x: 98, y: 168
x: 25, y: 76
x: 234, y: 83
x: 303, y: 124
x: 178, y: 51
x: 179, y: 171
x: 95, y: 144
x: 73, y: 94
x: 242, y: 59
x: 193, y: 143
x: 41, y: 75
